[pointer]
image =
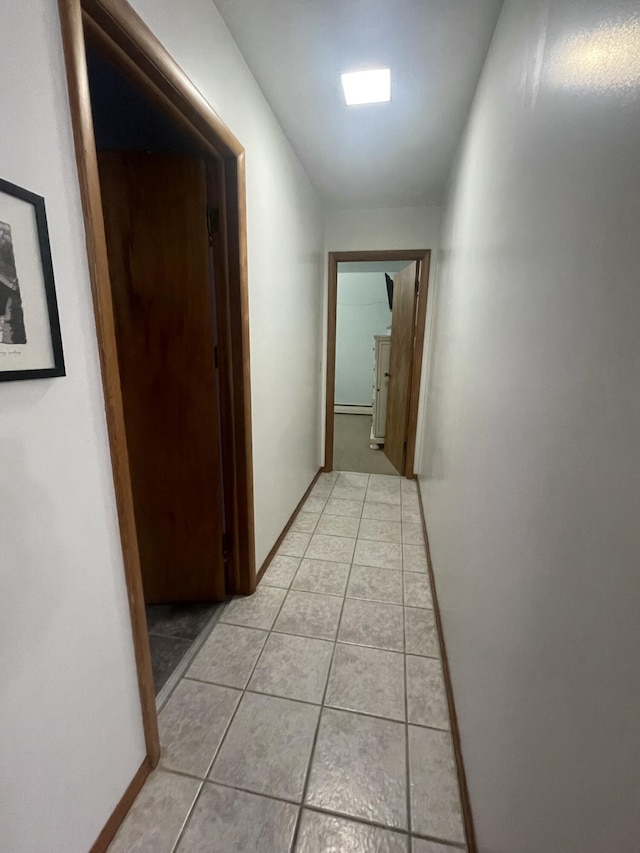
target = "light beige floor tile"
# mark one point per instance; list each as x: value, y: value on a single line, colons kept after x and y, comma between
x: 192, y: 724
x: 326, y: 833
x: 381, y: 512
x: 338, y: 525
x: 322, y: 489
x: 281, y: 571
x: 410, y: 502
x: 294, y: 544
x: 231, y: 821
x: 228, y: 656
x: 255, y: 611
x: 382, y: 496
x: 408, y: 486
x: 268, y: 747
x: 370, y: 623
x: 414, y: 558
x: 353, y: 478
x: 309, y: 614
x: 321, y: 576
x: 293, y: 667
x: 421, y: 637
x: 380, y: 531
x: 412, y: 534
x: 339, y: 549
x: 314, y: 504
x: 411, y: 516
x: 417, y: 591
x: 341, y: 507
x: 384, y: 555
x: 374, y: 584
x: 157, y: 816
x: 367, y: 680
x: 384, y: 485
x: 345, y: 492
x: 435, y: 797
x: 305, y: 522
x: 359, y: 768
x: 393, y: 480
x: 426, y: 697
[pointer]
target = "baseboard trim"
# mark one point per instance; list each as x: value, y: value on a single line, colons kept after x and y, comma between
x: 278, y: 543
x: 110, y: 828
x: 455, y: 731
x: 353, y: 410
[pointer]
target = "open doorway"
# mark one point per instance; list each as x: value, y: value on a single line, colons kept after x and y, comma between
x: 155, y: 196
x: 376, y: 322
x: 166, y: 246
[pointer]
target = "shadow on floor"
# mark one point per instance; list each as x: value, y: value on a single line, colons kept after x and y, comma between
x: 173, y: 628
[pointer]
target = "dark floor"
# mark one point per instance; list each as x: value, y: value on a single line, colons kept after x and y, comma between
x: 172, y: 630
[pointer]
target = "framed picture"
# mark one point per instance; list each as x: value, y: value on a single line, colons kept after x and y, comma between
x: 30, y: 341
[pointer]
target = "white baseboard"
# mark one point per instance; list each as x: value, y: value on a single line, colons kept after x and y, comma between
x: 353, y: 410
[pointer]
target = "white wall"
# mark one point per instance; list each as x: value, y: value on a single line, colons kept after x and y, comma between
x: 362, y: 312
x: 70, y: 728
x: 383, y: 228
x: 532, y: 446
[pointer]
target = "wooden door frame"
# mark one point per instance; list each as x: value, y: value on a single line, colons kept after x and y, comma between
x: 420, y: 255
x: 120, y: 33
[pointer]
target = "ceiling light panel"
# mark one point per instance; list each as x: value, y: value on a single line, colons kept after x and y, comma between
x: 367, y: 87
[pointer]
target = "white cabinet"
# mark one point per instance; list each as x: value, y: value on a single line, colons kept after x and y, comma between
x: 382, y: 350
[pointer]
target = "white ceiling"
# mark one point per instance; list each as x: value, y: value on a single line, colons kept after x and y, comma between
x: 382, y: 155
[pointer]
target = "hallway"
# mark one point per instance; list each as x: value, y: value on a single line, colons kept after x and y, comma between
x: 315, y: 718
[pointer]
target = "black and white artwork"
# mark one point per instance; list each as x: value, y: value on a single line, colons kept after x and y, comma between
x: 12, y: 329
x: 30, y: 341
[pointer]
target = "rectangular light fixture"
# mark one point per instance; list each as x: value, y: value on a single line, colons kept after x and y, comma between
x: 367, y: 87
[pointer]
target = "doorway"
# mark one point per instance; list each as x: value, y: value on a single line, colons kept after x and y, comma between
x: 171, y: 308
x: 376, y: 325
x: 153, y: 182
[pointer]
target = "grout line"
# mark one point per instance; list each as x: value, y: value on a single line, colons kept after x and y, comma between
x: 188, y: 814
x: 308, y: 702
x: 227, y: 728
x: 317, y: 809
x: 322, y: 706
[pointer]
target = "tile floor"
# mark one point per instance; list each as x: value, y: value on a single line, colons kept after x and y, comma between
x: 314, y: 718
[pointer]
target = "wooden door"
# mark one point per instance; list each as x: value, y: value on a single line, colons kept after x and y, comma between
x: 400, y: 363
x: 155, y: 211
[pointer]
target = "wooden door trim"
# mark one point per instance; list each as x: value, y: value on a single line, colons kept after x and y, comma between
x: 131, y: 44
x: 423, y: 257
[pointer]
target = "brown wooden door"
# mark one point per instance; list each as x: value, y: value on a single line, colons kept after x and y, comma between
x: 155, y: 210
x: 400, y: 363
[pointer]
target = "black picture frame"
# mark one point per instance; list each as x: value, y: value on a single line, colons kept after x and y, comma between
x: 46, y: 266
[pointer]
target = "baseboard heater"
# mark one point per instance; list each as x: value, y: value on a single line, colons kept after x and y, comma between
x: 353, y: 410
